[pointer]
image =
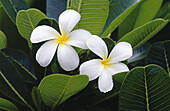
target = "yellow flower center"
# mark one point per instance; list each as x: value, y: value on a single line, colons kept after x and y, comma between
x: 105, y: 62
x: 62, y: 39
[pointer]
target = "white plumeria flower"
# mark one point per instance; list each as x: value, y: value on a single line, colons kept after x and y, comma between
x: 107, y: 66
x: 67, y: 56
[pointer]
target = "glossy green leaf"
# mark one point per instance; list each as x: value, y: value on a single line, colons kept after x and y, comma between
x: 118, y: 11
x: 142, y: 14
x: 6, y: 105
x: 23, y: 64
x: 37, y: 97
x: 139, y: 53
x: 19, y: 5
x: 159, y: 54
x: 3, y: 40
x: 93, y: 14
x: 145, y: 89
x: 55, y: 8
x: 11, y: 83
x: 26, y: 22
x: 57, y: 88
x: 143, y: 33
x: 9, y: 9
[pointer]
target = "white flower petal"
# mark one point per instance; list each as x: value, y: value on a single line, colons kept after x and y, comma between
x: 105, y: 81
x: 67, y: 57
x: 92, y: 68
x: 46, y: 53
x: 120, y: 52
x: 118, y: 67
x: 43, y: 33
x: 78, y: 38
x: 98, y: 46
x: 67, y: 21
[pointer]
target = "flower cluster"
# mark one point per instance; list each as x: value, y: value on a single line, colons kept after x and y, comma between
x: 68, y: 58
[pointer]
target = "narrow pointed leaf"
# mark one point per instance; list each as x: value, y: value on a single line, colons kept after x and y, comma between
x: 57, y: 88
x: 159, y: 54
x: 142, y: 14
x: 26, y: 22
x: 93, y: 14
x: 6, y: 105
x: 118, y: 11
x: 3, y: 40
x: 145, y: 89
x: 143, y: 33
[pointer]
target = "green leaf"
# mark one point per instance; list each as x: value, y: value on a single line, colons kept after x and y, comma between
x: 20, y: 5
x: 164, y: 12
x: 3, y: 40
x: 118, y: 11
x: 53, y: 9
x: 6, y: 105
x: 14, y: 39
x: 37, y: 97
x: 50, y: 22
x: 11, y: 83
x: 23, y: 64
x: 145, y: 89
x: 93, y: 14
x: 57, y: 88
x: 142, y: 14
x: 159, y: 54
x: 109, y: 43
x: 26, y: 22
x: 9, y: 9
x: 99, y: 97
x: 143, y: 33
x: 29, y: 2
x: 139, y: 53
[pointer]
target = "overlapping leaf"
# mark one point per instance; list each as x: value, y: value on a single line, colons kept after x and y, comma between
x: 6, y: 105
x: 11, y: 83
x: 139, y: 53
x: 23, y: 64
x: 19, y: 5
x: 9, y: 9
x: 93, y: 14
x: 56, y: 88
x: 159, y: 54
x: 118, y: 11
x: 9, y: 28
x: 37, y: 98
x: 26, y: 22
x: 145, y: 89
x: 99, y: 97
x: 143, y: 33
x: 3, y: 40
x: 142, y: 14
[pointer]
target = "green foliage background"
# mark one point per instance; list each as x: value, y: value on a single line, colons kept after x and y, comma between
x: 25, y: 86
